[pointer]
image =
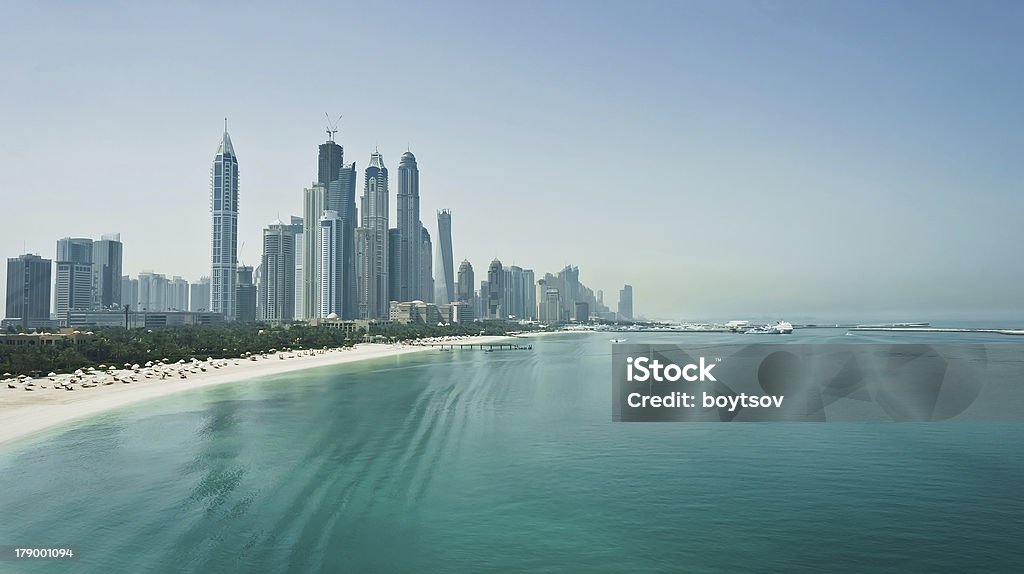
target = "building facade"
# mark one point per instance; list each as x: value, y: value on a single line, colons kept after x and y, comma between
x: 373, y: 242
x: 107, y: 259
x: 28, y: 291
x: 332, y: 246
x: 277, y: 285
x: 445, y: 274
x: 410, y: 235
x: 224, y: 238
x: 314, y: 204
x: 466, y: 287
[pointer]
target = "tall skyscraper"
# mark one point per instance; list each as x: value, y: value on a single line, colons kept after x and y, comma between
x: 373, y: 242
x: 466, y: 282
x: 224, y: 238
x: 340, y: 180
x: 426, y: 281
x: 314, y: 205
x: 332, y: 246
x: 277, y: 285
x: 199, y: 295
x: 245, y: 295
x: 341, y: 198
x: 410, y: 236
x: 296, y: 228
x: 28, y: 290
x: 495, y: 291
x: 107, y: 255
x: 74, y: 284
x: 626, y: 303
x: 445, y: 274
x: 329, y: 162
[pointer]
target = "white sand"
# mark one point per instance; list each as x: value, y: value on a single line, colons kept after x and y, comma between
x: 26, y: 412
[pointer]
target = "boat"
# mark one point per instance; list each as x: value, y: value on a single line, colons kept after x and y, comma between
x: 618, y: 340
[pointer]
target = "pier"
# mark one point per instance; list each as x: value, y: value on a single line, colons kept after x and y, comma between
x: 480, y: 346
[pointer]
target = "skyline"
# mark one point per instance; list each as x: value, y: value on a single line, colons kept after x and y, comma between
x: 811, y: 140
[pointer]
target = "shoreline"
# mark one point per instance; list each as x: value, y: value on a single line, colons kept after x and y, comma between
x: 28, y: 412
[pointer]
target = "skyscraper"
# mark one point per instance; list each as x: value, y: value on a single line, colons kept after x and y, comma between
x: 340, y: 180
x: 373, y: 242
x: 626, y: 303
x: 341, y: 197
x: 445, y: 274
x: 394, y: 276
x: 245, y: 295
x: 130, y: 293
x: 277, y: 285
x: 107, y: 255
x: 410, y: 236
x: 314, y: 204
x: 466, y: 282
x: 296, y: 228
x: 332, y: 245
x: 74, y: 284
x: 199, y: 295
x: 28, y: 290
x: 426, y: 280
x: 224, y: 239
x: 177, y: 294
x: 329, y: 162
x: 495, y: 290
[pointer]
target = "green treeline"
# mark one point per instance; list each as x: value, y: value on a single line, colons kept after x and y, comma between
x: 113, y: 346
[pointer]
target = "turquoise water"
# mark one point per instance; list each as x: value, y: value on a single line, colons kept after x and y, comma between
x: 501, y: 462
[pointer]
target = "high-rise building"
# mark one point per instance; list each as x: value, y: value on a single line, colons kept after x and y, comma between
x: 445, y: 274
x: 245, y: 295
x: 484, y: 300
x: 329, y: 162
x: 332, y: 246
x: 28, y: 290
x: 373, y: 242
x: 582, y: 314
x: 314, y: 205
x: 177, y: 294
x: 74, y: 283
x: 426, y: 281
x: 626, y: 303
x: 496, y: 291
x: 466, y: 282
x: 299, y: 241
x: 107, y: 255
x: 409, y: 226
x: 340, y: 180
x: 394, y: 277
x: 341, y: 197
x: 199, y: 295
x: 519, y: 299
x: 277, y: 285
x: 153, y: 292
x: 130, y: 293
x: 224, y: 239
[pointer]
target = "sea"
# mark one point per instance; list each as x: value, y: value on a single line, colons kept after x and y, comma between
x: 508, y: 461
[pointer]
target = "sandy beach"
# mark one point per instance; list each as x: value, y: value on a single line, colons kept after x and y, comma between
x: 25, y: 412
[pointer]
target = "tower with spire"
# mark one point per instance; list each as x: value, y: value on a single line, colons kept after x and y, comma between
x: 224, y: 237
x: 372, y: 242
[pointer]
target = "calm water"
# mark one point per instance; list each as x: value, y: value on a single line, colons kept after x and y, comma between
x: 471, y: 461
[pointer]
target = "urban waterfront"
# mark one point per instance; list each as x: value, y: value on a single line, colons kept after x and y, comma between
x: 506, y: 461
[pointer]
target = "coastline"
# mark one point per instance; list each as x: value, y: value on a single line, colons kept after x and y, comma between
x: 28, y: 412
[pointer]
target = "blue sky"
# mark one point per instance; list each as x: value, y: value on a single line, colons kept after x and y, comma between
x: 806, y: 159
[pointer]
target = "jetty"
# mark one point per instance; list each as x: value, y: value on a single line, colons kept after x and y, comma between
x: 479, y: 346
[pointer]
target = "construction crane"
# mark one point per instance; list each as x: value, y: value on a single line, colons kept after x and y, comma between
x: 332, y: 127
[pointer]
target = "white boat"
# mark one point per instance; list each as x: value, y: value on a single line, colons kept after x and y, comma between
x: 618, y: 340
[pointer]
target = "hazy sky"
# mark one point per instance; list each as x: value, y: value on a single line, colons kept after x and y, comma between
x: 797, y: 159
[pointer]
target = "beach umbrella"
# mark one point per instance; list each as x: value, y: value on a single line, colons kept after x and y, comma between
x: 52, y: 374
